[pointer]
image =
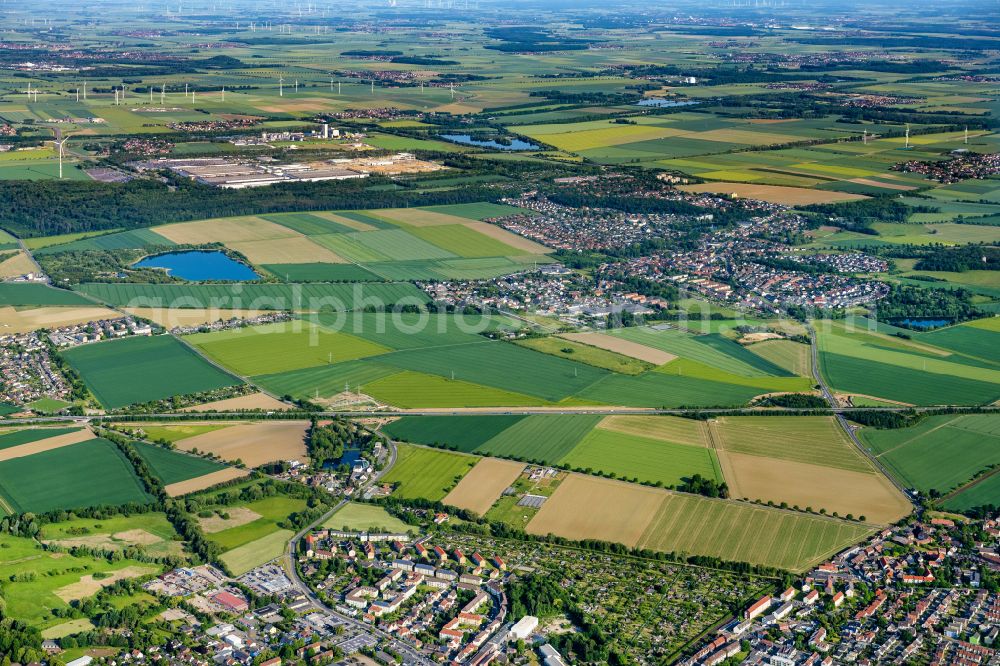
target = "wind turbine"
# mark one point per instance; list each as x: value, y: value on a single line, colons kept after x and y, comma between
x: 59, y: 145
x: 296, y: 86
x: 281, y: 88
x: 223, y: 93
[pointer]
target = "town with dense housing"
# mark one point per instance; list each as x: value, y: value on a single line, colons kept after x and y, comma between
x: 499, y: 333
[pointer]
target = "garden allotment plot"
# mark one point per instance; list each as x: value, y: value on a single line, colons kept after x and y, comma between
x: 140, y: 369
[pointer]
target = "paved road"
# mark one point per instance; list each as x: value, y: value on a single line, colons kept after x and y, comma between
x: 836, y: 409
x: 193, y: 416
x: 410, y: 654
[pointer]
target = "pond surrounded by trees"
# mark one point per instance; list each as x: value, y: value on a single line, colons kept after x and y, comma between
x: 198, y: 265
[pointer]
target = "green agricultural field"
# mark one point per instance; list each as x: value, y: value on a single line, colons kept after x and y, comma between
x: 355, y: 517
x: 642, y: 459
x: 261, y: 551
x: 281, y: 347
x: 172, y: 467
x: 940, y: 453
x: 325, y: 381
x: 659, y: 389
x: 48, y: 405
x: 426, y: 473
x: 984, y: 492
x: 712, y: 350
x: 793, y: 357
x: 416, y: 389
x: 475, y: 211
x: 321, y: 273
x: 139, y: 369
x: 45, y: 241
x: 150, y: 531
x: 500, y: 365
x: 307, y: 297
x: 138, y: 238
x: 90, y: 473
x: 976, y: 341
x: 885, y: 367
x: 805, y: 439
x: 28, y: 435
x: 741, y: 532
x: 175, y: 433
x: 307, y: 223
x: 464, y: 433
x: 463, y: 241
x: 541, y: 437
x: 33, y: 598
x: 270, y: 512
x: 24, y: 293
x: 409, y: 330
x: 582, y: 353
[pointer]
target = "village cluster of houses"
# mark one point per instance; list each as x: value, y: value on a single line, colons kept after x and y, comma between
x: 417, y: 592
x: 885, y: 601
x: 27, y: 372
x: 95, y: 331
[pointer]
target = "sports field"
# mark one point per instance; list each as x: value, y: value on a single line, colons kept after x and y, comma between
x: 941, y: 452
x: 427, y: 473
x: 89, y: 473
x: 140, y: 369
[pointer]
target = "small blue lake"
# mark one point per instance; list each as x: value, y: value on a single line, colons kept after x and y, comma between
x: 923, y: 324
x: 514, y: 144
x: 350, y: 457
x: 661, y: 103
x: 200, y: 265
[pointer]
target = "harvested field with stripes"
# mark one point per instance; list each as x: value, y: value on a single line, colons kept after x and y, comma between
x: 637, y: 516
x: 481, y: 487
